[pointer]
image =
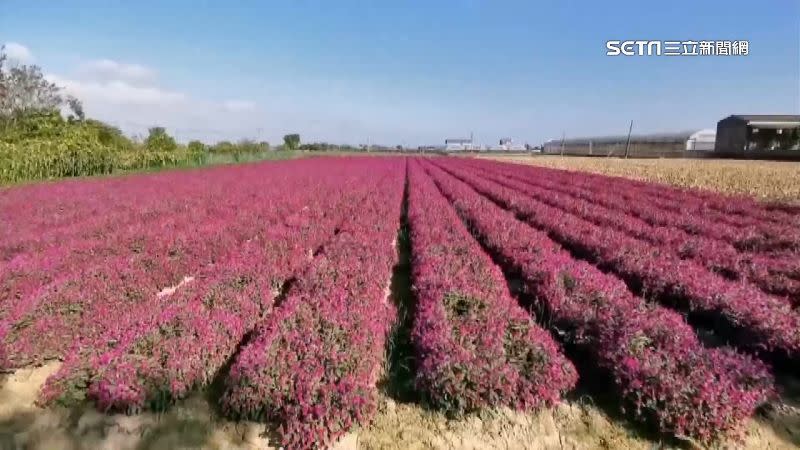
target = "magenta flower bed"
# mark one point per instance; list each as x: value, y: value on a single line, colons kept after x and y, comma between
x: 737, y: 210
x: 748, y: 229
x: 274, y: 280
x: 715, y: 255
x: 475, y: 347
x: 42, y: 320
x: 172, y: 344
x: 44, y: 323
x: 313, y: 363
x: 707, y: 237
x: 663, y: 373
x: 58, y: 229
x: 756, y: 321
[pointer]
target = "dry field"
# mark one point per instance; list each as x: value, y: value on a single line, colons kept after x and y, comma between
x: 769, y: 180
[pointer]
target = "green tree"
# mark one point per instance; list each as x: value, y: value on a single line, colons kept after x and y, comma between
x: 159, y: 140
x: 76, y: 107
x: 247, y: 146
x: 3, y: 89
x: 24, y: 89
x: 223, y: 147
x: 30, y: 104
x: 291, y: 141
x: 196, y: 147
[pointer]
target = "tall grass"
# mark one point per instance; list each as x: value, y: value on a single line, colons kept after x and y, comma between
x: 44, y: 146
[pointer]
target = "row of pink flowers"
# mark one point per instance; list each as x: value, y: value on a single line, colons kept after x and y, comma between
x: 662, y: 372
x: 166, y: 345
x: 313, y: 363
x: 604, y: 209
x: 50, y: 301
x: 475, y: 346
x: 658, y: 205
x: 734, y: 230
x: 747, y: 316
x: 48, y: 216
x: 736, y: 210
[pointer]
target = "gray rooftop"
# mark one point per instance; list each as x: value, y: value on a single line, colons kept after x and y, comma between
x: 635, y: 138
x: 766, y: 117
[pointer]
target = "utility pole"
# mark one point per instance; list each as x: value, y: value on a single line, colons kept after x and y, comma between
x: 628, y: 142
x: 563, y: 136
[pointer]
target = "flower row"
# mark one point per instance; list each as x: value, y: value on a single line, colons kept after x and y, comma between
x: 169, y: 344
x: 48, y: 301
x: 658, y: 365
x: 720, y: 257
x: 700, y: 224
x: 48, y: 215
x: 475, y: 346
x: 731, y: 209
x: 313, y: 362
x: 745, y: 235
x: 749, y: 317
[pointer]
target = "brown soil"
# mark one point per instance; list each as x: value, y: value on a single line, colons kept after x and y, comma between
x: 189, y: 425
x: 193, y: 424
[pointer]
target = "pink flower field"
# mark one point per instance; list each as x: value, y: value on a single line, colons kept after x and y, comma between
x: 272, y: 287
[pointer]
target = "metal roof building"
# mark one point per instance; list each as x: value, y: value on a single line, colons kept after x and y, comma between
x: 702, y: 140
x: 457, y: 141
x: 641, y: 144
x: 452, y: 144
x: 752, y: 133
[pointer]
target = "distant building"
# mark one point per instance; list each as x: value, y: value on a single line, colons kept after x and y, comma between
x: 743, y: 133
x: 702, y: 140
x: 457, y: 141
x: 750, y: 136
x: 642, y: 145
x: 505, y: 145
x: 456, y: 144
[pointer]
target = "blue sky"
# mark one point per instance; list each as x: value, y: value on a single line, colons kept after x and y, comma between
x: 410, y: 72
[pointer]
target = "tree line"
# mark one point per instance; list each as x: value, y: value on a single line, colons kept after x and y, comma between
x: 45, y: 134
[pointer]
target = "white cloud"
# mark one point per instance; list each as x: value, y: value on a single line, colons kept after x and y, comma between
x: 107, y: 70
x: 239, y: 105
x: 131, y: 97
x: 135, y: 107
x: 118, y: 92
x: 18, y: 53
x: 121, y: 92
x: 127, y: 96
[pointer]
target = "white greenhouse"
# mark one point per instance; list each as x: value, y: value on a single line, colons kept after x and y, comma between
x: 702, y: 140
